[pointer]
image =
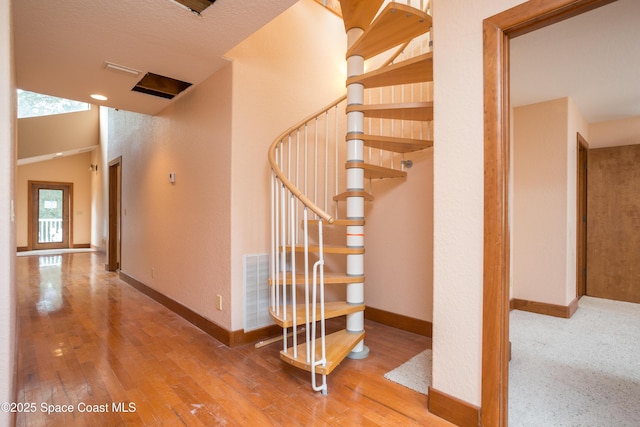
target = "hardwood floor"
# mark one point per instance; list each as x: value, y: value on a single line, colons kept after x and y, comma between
x: 88, y: 340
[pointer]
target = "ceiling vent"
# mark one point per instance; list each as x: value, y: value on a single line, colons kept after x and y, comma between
x: 157, y: 85
x: 196, y: 6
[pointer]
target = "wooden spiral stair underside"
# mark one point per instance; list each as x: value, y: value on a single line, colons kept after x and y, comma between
x: 394, y: 26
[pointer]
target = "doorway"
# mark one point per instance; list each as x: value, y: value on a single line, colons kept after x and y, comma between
x: 497, y: 32
x: 114, y: 234
x: 50, y: 215
x: 581, y: 218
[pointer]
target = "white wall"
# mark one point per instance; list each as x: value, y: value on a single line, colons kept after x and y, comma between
x: 458, y: 194
x: 8, y: 159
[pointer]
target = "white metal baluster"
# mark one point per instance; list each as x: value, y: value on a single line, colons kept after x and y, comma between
x: 326, y: 161
x: 293, y: 279
x: 297, y: 173
x: 272, y: 263
x: 335, y: 166
x: 315, y: 166
x: 283, y: 261
x: 306, y: 158
x: 305, y: 238
x: 277, y: 237
x: 318, y: 273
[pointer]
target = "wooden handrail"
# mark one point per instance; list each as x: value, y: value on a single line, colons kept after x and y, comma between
x: 281, y: 176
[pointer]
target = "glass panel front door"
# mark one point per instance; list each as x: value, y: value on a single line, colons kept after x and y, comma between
x: 50, y: 216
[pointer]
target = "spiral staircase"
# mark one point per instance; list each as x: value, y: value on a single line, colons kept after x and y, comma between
x: 320, y: 170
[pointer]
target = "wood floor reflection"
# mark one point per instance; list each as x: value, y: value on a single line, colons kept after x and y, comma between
x: 108, y: 355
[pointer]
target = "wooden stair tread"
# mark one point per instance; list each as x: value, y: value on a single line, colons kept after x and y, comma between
x: 331, y: 309
x: 329, y: 249
x: 396, y: 24
x: 342, y: 222
x: 390, y: 143
x: 329, y: 278
x: 338, y: 346
x: 414, y: 70
x: 421, y: 111
x: 359, y: 13
x: 343, y: 196
x: 377, y: 172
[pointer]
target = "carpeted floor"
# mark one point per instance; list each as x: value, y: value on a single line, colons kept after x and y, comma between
x: 583, y: 371
x: 414, y: 374
x: 578, y: 372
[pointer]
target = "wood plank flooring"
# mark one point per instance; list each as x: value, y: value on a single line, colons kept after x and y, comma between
x: 88, y: 340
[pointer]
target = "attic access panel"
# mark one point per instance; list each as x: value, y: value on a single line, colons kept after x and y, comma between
x: 196, y: 5
x: 157, y: 85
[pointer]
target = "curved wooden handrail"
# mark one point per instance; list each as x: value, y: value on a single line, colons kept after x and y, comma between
x: 281, y: 176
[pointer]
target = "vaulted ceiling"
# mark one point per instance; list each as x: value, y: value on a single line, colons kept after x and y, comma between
x: 61, y: 46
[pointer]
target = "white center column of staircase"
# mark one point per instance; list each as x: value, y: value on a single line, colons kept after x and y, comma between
x: 355, y: 204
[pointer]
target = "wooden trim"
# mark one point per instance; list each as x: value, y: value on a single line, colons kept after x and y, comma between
x: 22, y: 248
x: 581, y: 216
x: 81, y: 246
x: 114, y: 214
x: 497, y: 31
x: 228, y: 338
x: 67, y: 214
x: 563, y: 311
x: 406, y: 323
x: 454, y: 410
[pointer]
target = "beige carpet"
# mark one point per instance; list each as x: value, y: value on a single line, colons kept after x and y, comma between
x: 578, y: 372
x: 414, y: 374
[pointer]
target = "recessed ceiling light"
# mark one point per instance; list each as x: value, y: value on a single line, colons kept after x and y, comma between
x: 98, y: 97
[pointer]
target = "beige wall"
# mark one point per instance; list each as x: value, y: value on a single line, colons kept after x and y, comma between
x: 8, y: 149
x: 58, y: 133
x: 176, y: 237
x: 544, y: 199
x: 99, y: 186
x: 614, y: 133
x: 399, y: 242
x: 74, y: 169
x: 284, y: 72
x: 458, y: 194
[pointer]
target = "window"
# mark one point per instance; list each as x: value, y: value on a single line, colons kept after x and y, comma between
x: 31, y: 104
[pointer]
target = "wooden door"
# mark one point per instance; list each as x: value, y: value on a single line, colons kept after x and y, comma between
x: 50, y: 215
x: 613, y: 223
x: 115, y: 191
x: 581, y: 219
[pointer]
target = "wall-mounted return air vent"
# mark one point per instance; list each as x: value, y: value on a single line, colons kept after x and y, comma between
x: 196, y: 6
x: 157, y: 85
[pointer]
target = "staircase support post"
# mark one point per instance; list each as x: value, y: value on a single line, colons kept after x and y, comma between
x: 355, y: 205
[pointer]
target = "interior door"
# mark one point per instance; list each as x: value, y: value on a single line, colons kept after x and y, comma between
x: 613, y: 223
x: 50, y: 215
x: 581, y: 219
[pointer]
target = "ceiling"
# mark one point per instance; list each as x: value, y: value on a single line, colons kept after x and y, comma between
x: 594, y: 58
x: 61, y: 45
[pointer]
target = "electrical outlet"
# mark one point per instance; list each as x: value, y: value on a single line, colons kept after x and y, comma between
x: 153, y: 273
x: 219, y: 302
